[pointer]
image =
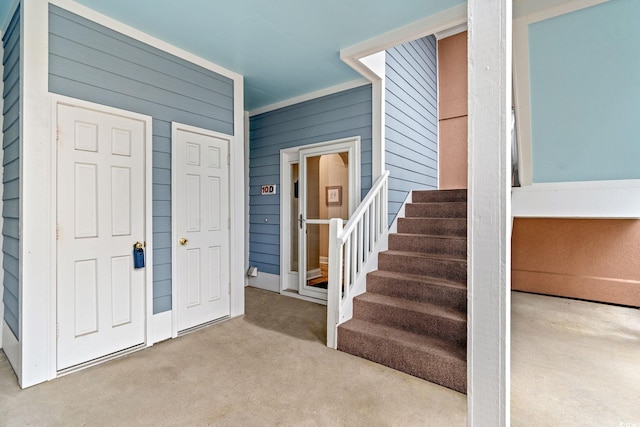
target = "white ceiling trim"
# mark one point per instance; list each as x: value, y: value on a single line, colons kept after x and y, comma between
x: 125, y: 29
x: 451, y: 31
x: 309, y: 96
x: 433, y: 24
x: 560, y: 9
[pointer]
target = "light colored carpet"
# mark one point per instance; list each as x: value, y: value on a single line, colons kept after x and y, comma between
x: 270, y: 367
x: 573, y: 363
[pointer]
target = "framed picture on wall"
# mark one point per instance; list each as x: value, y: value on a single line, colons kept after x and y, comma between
x: 334, y: 195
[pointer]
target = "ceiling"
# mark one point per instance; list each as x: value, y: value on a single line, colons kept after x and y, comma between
x: 283, y: 48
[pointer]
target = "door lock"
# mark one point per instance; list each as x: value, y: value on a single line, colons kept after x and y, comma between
x: 138, y: 255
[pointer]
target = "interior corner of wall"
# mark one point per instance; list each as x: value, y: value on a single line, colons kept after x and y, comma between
x: 11, y: 348
x: 265, y: 281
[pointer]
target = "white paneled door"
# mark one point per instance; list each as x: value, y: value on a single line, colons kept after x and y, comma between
x: 201, y: 206
x: 100, y: 215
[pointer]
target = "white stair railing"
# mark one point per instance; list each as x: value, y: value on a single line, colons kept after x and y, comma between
x: 350, y: 253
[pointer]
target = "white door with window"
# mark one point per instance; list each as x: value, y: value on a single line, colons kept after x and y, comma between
x: 100, y: 216
x: 200, y: 196
x: 320, y: 182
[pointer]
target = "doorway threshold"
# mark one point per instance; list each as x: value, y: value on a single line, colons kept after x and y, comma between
x: 294, y: 294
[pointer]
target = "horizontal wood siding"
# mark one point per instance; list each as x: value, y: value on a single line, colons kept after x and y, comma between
x: 411, y: 126
x: 11, y: 174
x: 91, y: 62
x: 341, y: 115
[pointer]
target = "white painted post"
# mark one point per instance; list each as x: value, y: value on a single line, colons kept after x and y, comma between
x: 335, y: 282
x: 489, y: 269
x: 37, y: 225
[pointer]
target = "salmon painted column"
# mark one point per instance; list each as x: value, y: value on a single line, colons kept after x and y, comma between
x: 452, y: 112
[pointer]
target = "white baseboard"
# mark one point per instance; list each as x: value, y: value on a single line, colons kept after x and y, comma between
x: 266, y: 281
x: 588, y: 199
x: 160, y: 327
x: 11, y: 348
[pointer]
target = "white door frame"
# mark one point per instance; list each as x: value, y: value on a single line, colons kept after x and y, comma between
x: 289, y: 156
x: 148, y: 215
x: 175, y: 128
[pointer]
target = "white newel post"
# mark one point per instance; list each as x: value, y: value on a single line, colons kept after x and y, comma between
x: 489, y: 269
x: 335, y: 280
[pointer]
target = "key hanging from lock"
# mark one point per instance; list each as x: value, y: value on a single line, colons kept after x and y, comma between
x: 138, y: 255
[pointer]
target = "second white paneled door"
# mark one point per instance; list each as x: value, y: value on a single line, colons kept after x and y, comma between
x: 201, y: 226
x: 100, y: 214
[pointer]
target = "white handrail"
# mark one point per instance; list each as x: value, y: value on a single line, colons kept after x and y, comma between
x: 350, y: 250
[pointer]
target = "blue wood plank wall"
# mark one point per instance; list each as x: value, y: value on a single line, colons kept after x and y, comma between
x: 340, y: 115
x: 411, y: 127
x: 11, y: 176
x: 94, y: 63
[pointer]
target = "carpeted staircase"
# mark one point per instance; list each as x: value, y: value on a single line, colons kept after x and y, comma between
x: 413, y: 317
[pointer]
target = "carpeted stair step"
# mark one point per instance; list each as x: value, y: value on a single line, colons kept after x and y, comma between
x: 433, y: 226
x: 412, y: 316
x: 449, y: 245
x: 436, y: 210
x: 448, y: 267
x: 425, y: 196
x: 429, y: 358
x: 418, y: 288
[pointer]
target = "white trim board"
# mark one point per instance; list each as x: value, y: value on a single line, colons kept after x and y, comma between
x: 160, y: 327
x: 309, y: 96
x: 588, y: 199
x: 433, y: 24
x: 37, y: 203
x: 237, y: 204
x: 451, y: 31
x: 521, y: 82
x: 134, y: 33
x: 246, y: 189
x: 489, y: 213
x: 562, y: 7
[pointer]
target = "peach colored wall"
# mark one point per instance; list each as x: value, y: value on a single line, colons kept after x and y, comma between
x: 452, y: 111
x: 591, y: 259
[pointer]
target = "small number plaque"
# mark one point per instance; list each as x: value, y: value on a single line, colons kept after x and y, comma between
x: 269, y: 189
